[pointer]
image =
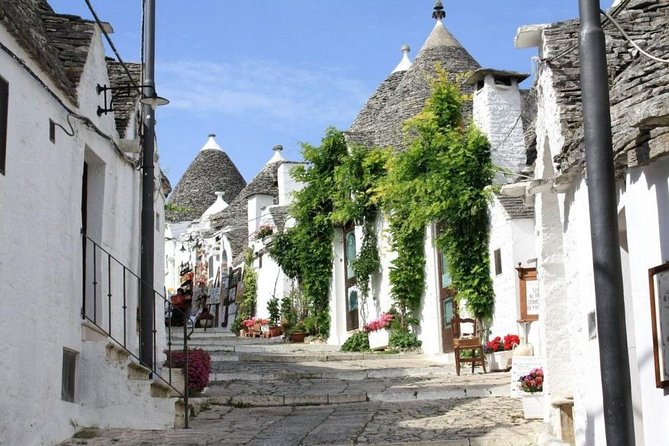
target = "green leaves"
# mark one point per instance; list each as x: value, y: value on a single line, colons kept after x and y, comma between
x: 444, y: 175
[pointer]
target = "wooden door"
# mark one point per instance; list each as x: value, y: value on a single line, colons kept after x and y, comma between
x: 447, y: 305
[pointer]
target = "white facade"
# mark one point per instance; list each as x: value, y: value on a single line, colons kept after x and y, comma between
x: 272, y: 281
x: 41, y: 256
x: 513, y: 238
x: 566, y: 280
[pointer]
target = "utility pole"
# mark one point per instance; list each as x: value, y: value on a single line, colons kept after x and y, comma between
x: 147, y: 297
x: 612, y: 332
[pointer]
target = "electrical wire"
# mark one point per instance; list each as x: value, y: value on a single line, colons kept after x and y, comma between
x: 57, y: 98
x: 632, y: 42
x: 111, y: 43
x: 71, y: 132
x: 615, y: 11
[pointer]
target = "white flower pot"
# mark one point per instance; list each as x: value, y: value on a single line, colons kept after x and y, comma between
x: 379, y: 339
x: 498, y: 361
x: 533, y: 406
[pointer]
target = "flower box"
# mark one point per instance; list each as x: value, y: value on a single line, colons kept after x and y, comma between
x: 379, y: 339
x: 533, y: 405
x: 499, y: 361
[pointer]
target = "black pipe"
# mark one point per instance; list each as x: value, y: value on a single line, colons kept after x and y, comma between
x: 612, y: 332
x: 148, y: 222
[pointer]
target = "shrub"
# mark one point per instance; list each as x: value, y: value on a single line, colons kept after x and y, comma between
x: 358, y: 342
x: 199, y: 367
x: 403, y: 340
x: 273, y: 310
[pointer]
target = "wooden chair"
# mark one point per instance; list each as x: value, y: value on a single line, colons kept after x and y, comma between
x: 466, y: 337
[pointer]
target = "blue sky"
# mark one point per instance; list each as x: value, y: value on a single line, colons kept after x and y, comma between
x: 265, y: 72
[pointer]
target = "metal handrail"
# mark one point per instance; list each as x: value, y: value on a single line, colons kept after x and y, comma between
x: 108, y: 260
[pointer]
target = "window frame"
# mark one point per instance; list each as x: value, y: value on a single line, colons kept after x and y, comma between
x: 4, y: 118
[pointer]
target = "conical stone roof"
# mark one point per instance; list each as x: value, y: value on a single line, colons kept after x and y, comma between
x: 409, y: 96
x: 235, y: 216
x: 211, y: 171
x: 363, y: 128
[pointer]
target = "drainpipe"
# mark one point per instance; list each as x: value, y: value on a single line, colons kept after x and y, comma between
x: 146, y: 304
x: 612, y: 333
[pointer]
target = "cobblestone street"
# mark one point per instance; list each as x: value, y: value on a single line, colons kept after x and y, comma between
x: 269, y: 393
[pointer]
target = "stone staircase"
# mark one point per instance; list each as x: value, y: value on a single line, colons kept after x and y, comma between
x: 130, y: 389
x: 258, y: 372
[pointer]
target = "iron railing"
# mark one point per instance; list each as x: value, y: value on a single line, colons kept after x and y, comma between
x: 109, y: 287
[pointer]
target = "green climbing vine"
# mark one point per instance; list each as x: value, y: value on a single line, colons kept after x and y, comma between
x: 444, y: 176
x: 356, y: 180
x: 305, y: 251
x: 447, y: 171
x: 246, y: 305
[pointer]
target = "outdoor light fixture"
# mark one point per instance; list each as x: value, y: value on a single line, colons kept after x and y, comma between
x: 154, y: 101
x: 124, y: 91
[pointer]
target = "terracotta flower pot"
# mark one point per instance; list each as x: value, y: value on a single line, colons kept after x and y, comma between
x: 298, y: 336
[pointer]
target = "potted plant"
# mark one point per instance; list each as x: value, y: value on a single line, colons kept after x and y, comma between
x: 378, y: 333
x: 199, y: 367
x: 498, y: 352
x: 298, y: 332
x: 274, y: 312
x: 264, y: 231
x: 251, y: 328
x: 532, y: 386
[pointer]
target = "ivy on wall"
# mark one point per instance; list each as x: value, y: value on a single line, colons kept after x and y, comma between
x: 356, y: 179
x: 305, y: 251
x: 246, y: 305
x: 447, y: 171
x: 444, y: 175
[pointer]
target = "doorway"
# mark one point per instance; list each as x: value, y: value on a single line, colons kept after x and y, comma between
x: 92, y: 207
x: 447, y: 304
x: 350, y: 253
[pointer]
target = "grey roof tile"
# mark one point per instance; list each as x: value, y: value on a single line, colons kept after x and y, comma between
x: 126, y: 100
x: 515, y: 207
x: 639, y: 84
x: 381, y: 120
x: 24, y: 20
x: 211, y: 171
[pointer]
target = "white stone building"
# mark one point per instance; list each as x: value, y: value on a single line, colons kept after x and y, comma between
x: 569, y: 335
x: 62, y: 175
x: 497, y: 108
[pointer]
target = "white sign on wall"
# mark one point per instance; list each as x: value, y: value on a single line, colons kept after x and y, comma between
x: 521, y: 366
x: 533, y: 298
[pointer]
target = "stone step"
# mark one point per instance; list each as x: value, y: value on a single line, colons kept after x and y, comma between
x: 344, y: 375
x: 324, y: 397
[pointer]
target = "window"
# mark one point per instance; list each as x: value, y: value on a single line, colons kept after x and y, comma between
x: 498, y: 262
x: 506, y: 81
x: 4, y: 105
x: 68, y: 375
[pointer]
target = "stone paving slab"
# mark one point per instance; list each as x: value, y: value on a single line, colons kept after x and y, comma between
x: 327, y: 391
x: 490, y: 421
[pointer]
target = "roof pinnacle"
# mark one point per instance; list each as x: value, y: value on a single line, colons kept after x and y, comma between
x: 438, y: 13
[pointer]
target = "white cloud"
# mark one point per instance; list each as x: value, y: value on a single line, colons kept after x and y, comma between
x: 263, y: 90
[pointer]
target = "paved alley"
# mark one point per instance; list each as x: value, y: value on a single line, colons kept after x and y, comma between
x: 265, y: 392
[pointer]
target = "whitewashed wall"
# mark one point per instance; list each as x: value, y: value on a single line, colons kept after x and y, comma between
x: 647, y: 214
x: 515, y: 240
x: 40, y: 251
x: 287, y: 184
x: 497, y: 110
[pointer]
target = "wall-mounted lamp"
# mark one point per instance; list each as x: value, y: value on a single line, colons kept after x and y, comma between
x: 125, y: 91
